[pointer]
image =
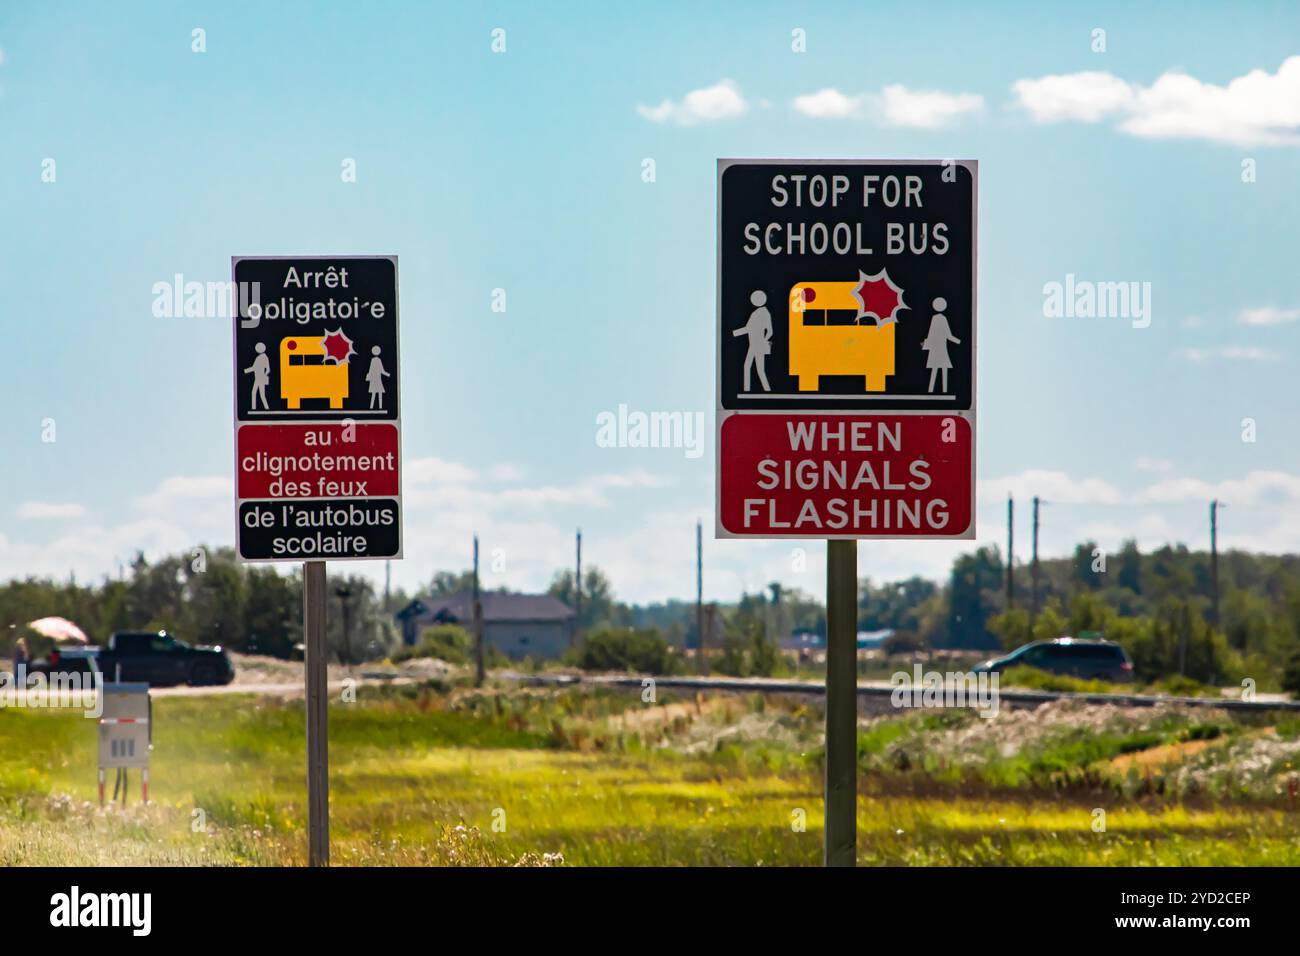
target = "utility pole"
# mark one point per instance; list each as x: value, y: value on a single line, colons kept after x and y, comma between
x: 1033, y: 575
x: 1214, y: 558
x: 711, y: 627
x: 344, y: 593
x: 699, y: 595
x: 1186, y: 618
x: 477, y: 612
x: 1011, y: 554
x: 577, y: 589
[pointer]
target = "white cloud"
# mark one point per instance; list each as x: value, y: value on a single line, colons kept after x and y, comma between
x: 183, y: 494
x: 458, y: 487
x: 1258, y: 108
x: 1230, y: 353
x: 721, y: 101
x: 926, y: 109
x: 1256, y: 487
x: 421, y: 471
x: 1150, y: 530
x: 1263, y: 513
x: 92, y: 550
x: 526, y: 530
x: 1267, y: 315
x: 1086, y: 97
x: 39, y: 510
x: 438, y: 471
x: 895, y: 105
x: 588, y: 491
x: 828, y: 103
x: 1054, y: 486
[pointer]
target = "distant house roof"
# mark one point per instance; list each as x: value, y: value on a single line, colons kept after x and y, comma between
x: 802, y: 640
x: 874, y: 638
x: 498, y: 607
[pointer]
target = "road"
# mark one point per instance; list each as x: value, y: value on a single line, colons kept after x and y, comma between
x: 884, y: 688
x: 768, y: 685
x: 279, y: 688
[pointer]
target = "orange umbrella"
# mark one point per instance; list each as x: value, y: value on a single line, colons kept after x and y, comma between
x: 60, y: 629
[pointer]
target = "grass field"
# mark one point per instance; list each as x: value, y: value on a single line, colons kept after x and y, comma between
x: 441, y: 775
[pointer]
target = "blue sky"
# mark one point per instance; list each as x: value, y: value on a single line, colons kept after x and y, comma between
x: 522, y: 171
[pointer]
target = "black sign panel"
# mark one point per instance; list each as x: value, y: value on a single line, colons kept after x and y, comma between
x: 316, y: 338
x: 352, y: 528
x: 846, y: 286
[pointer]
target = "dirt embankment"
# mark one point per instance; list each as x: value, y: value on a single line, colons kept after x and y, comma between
x: 255, y: 670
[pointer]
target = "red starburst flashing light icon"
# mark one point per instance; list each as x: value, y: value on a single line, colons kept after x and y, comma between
x: 878, y: 297
x: 338, y: 347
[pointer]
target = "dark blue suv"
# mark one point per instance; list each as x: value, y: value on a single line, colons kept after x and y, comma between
x: 1090, y: 660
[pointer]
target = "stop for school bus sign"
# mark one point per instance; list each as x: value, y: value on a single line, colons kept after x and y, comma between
x: 317, y: 426
x: 846, y: 348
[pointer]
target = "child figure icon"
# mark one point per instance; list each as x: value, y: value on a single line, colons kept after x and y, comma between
x: 936, y: 345
x: 375, y: 376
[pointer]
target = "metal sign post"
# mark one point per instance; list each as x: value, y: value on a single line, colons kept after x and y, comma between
x: 841, y: 829
x: 318, y: 785
x: 476, y: 612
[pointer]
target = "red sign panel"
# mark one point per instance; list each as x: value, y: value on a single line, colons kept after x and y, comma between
x: 317, y: 460
x: 860, y: 476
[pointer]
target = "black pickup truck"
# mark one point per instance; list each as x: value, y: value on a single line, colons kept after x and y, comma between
x: 154, y: 657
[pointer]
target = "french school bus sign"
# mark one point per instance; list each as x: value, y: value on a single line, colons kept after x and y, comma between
x: 317, y: 426
x: 846, y: 348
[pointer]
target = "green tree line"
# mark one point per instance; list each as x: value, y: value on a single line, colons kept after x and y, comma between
x: 203, y: 597
x: 1158, y: 604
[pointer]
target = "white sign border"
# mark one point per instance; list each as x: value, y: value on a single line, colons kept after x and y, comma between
x: 396, y: 422
x: 720, y: 532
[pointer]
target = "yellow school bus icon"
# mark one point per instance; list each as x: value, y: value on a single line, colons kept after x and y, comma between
x: 827, y: 336
x: 304, y: 373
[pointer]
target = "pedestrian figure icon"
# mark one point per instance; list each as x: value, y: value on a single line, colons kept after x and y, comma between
x: 936, y: 345
x: 759, y: 330
x: 375, y: 376
x: 261, y: 371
